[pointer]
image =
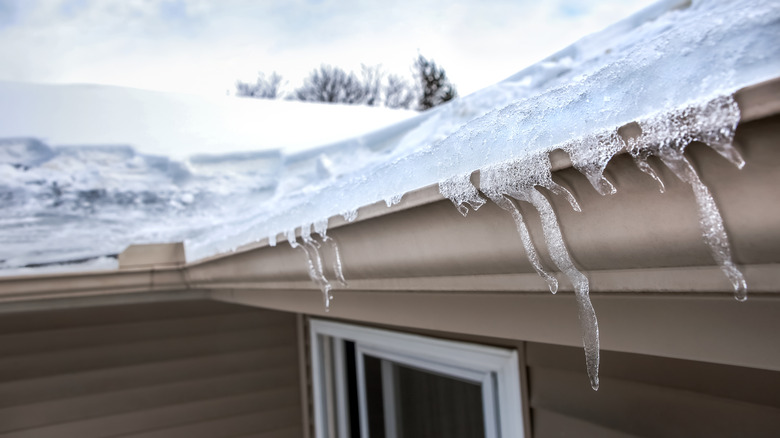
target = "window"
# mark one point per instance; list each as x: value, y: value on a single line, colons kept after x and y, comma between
x: 382, y: 384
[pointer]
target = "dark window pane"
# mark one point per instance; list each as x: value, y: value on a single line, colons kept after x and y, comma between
x: 375, y: 406
x: 352, y: 389
x: 433, y: 406
x: 427, y: 405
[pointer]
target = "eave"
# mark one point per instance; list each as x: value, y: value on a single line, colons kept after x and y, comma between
x: 419, y: 264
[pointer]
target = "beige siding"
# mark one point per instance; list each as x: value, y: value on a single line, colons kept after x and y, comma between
x: 647, y: 396
x: 640, y: 395
x: 183, y: 369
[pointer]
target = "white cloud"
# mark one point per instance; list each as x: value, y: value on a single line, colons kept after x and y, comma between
x: 203, y: 46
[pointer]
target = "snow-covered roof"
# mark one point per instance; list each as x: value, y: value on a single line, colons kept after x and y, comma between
x: 71, y: 203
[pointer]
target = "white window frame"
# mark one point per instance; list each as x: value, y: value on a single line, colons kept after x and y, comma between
x: 495, y: 369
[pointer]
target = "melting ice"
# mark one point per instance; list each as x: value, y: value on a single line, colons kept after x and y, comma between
x: 664, y: 134
x: 311, y: 248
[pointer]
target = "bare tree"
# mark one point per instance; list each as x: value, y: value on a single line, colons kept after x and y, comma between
x: 399, y: 93
x: 435, y: 87
x: 373, y: 87
x: 371, y: 79
x: 331, y: 84
x: 265, y: 87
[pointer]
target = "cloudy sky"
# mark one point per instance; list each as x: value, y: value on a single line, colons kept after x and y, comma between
x: 204, y: 46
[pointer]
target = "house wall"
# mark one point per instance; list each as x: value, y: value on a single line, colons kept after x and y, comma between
x: 171, y: 369
x: 639, y: 396
x: 647, y: 396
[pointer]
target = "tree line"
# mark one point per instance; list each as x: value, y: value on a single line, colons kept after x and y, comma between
x: 372, y: 86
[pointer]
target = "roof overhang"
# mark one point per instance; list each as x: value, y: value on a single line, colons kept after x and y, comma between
x: 654, y: 284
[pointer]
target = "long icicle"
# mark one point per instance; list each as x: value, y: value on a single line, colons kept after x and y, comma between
x: 313, y: 248
x: 710, y: 220
x: 337, y: 264
x: 561, y: 258
x: 321, y: 228
x: 314, y: 274
x: 667, y: 135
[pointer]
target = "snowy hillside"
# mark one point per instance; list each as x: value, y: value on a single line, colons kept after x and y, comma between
x: 73, y: 203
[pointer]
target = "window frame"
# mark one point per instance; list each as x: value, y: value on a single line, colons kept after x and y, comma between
x: 495, y: 369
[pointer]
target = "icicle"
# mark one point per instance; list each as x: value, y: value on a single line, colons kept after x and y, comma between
x: 563, y: 191
x: 716, y: 124
x: 591, y: 154
x: 667, y: 135
x: 309, y: 262
x: 460, y: 191
x: 321, y: 228
x: 272, y: 239
x: 350, y: 215
x: 560, y: 255
x: 497, y: 180
x: 629, y: 133
x: 306, y: 235
x: 394, y: 200
x: 507, y: 204
x: 312, y: 248
x: 644, y: 166
x: 518, y: 179
x: 710, y: 220
x: 315, y: 274
x: 337, y: 265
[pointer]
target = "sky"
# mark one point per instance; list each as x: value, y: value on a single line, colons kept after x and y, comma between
x: 204, y: 46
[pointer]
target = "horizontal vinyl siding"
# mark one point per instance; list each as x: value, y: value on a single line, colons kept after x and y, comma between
x: 646, y: 396
x: 189, y: 369
x: 639, y: 396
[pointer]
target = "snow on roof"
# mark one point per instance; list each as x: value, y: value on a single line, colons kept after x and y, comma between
x: 139, y: 166
x: 178, y: 125
x: 65, y: 203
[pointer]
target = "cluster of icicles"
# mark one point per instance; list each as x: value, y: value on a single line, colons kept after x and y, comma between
x: 312, y: 248
x: 664, y: 135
